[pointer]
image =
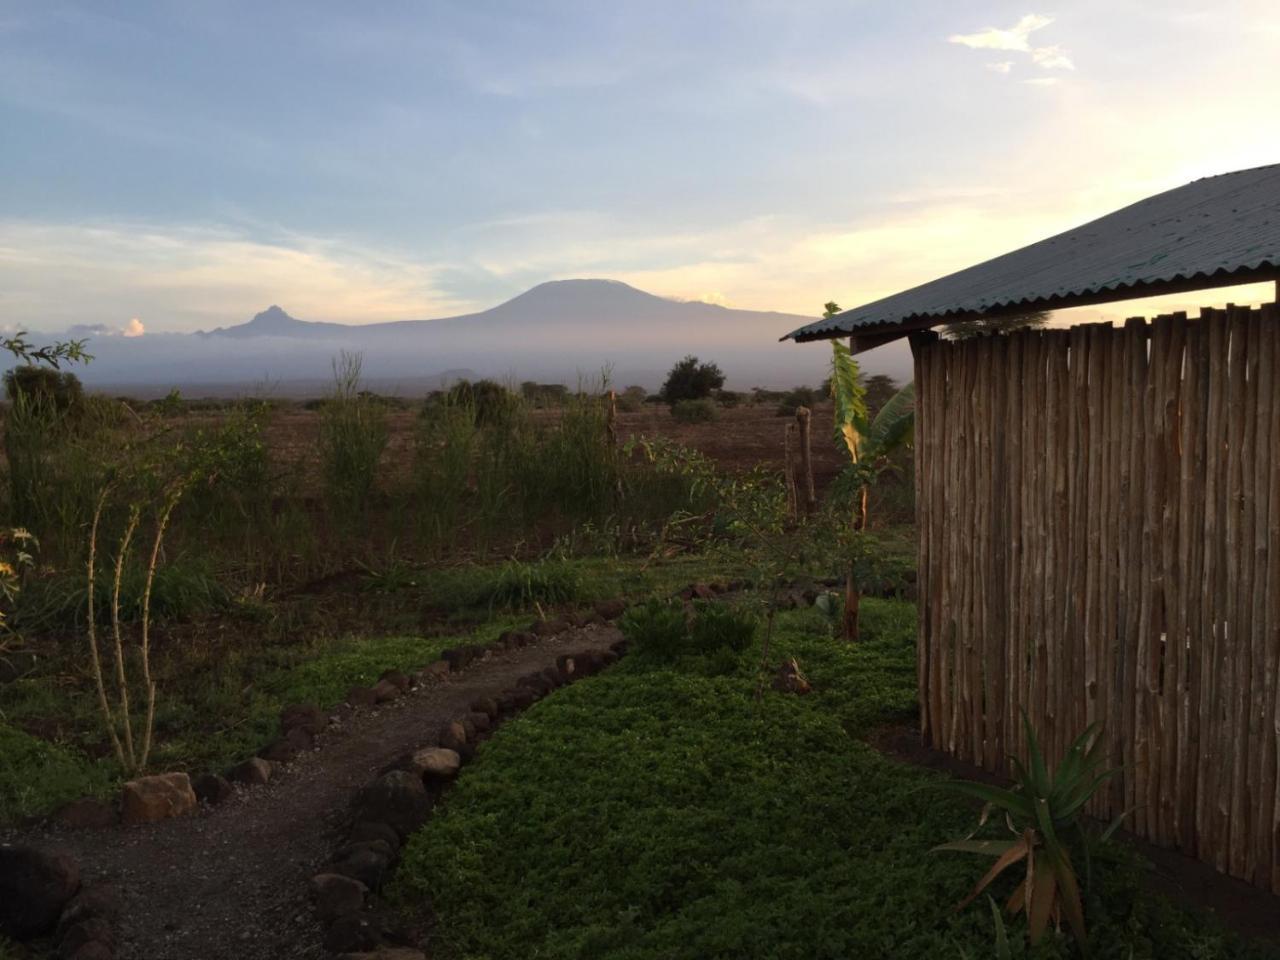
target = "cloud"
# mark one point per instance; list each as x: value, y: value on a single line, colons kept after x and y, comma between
x: 183, y: 276
x: 1017, y: 39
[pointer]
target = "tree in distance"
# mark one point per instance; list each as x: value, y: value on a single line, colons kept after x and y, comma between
x: 691, y: 380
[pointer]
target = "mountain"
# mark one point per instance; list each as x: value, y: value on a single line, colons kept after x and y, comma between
x: 561, y: 331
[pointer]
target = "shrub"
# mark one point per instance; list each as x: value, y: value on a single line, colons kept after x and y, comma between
x: 691, y: 380
x: 492, y: 402
x: 521, y: 585
x: 728, y: 398
x: 632, y: 399
x: 60, y: 388
x: 794, y: 398
x: 694, y: 411
x: 657, y: 628
x: 719, y: 626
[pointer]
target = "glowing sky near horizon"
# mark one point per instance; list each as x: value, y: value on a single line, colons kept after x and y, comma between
x: 175, y: 165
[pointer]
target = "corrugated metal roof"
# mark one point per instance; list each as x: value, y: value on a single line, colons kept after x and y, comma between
x: 1212, y: 228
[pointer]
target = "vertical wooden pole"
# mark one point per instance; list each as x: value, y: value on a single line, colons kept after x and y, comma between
x: 808, y: 498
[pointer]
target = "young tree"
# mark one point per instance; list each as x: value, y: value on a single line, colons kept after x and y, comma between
x: 691, y: 380
x: 869, y: 442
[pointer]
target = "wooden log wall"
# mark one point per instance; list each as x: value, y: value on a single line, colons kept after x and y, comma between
x: 1099, y: 520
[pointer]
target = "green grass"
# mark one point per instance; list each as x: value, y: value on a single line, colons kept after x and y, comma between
x: 36, y: 775
x: 659, y: 811
x: 217, y: 711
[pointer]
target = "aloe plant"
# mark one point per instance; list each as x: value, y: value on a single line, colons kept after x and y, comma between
x: 1042, y: 812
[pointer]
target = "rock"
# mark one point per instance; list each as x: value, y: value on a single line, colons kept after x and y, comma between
x: 371, y: 830
x: 305, y: 716
x: 353, y: 933
x: 619, y: 646
x: 453, y: 736
x: 611, y: 609
x: 549, y: 628
x: 438, y: 669
x: 362, y: 697
x: 524, y: 638
x: 397, y: 678
x: 397, y: 799
x: 336, y: 895
x: 789, y: 679
x: 567, y: 665
x: 34, y: 887
x: 552, y: 676
x: 99, y: 900
x: 212, y: 789
x: 289, y: 746
x: 522, y: 697
x: 480, y: 721
x: 363, y: 863
x: 89, y: 930
x: 477, y: 651
x: 457, y: 658
x: 384, y: 691
x: 93, y: 950
x: 85, y: 813
x: 486, y: 705
x: 535, y: 683
x: 469, y: 727
x: 254, y: 772
x: 436, y: 763
x: 148, y: 799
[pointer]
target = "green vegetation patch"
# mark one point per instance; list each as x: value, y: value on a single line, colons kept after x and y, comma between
x: 661, y: 811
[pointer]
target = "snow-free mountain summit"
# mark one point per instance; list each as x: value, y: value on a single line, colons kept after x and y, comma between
x: 559, y: 331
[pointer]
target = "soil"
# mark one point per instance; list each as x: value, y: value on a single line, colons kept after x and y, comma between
x: 232, y: 882
x: 1242, y: 908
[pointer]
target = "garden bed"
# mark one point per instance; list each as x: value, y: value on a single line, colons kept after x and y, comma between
x: 661, y: 811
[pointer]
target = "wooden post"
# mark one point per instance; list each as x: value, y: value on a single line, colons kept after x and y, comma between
x: 808, y: 495
x: 789, y: 469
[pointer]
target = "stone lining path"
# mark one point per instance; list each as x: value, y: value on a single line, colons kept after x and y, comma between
x: 231, y: 882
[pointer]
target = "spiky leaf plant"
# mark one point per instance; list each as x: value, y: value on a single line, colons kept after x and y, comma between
x: 1042, y: 812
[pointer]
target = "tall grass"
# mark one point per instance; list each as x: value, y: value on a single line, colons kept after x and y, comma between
x: 444, y: 447
x: 353, y: 435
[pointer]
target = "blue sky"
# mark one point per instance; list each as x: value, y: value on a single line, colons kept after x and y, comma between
x: 187, y: 163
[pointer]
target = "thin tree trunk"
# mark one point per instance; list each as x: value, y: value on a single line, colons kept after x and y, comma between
x: 852, y: 595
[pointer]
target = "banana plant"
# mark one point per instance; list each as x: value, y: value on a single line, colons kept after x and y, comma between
x: 870, y: 442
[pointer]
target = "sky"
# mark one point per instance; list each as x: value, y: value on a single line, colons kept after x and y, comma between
x: 168, y: 166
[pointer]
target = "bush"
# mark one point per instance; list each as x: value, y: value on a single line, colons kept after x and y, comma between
x: 62, y: 388
x: 691, y: 380
x: 795, y: 398
x: 657, y: 628
x: 719, y: 626
x: 632, y: 399
x: 521, y: 585
x: 664, y: 630
x: 694, y: 411
x: 728, y: 398
x: 493, y: 403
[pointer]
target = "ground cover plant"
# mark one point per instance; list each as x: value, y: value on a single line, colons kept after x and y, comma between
x: 659, y: 810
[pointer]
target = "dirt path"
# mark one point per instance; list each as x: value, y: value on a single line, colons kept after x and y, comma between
x: 232, y: 882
